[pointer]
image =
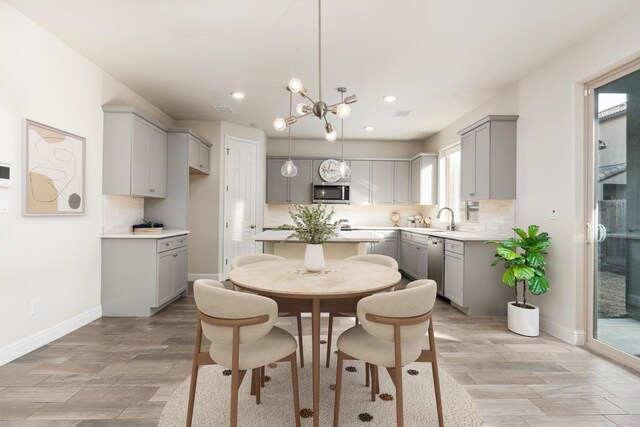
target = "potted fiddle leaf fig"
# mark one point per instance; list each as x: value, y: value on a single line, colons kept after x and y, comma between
x: 313, y: 226
x: 524, y: 262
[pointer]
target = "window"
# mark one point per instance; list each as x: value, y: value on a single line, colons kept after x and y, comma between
x: 449, y: 182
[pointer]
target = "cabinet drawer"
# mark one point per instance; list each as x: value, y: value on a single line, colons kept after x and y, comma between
x: 405, y: 235
x: 387, y: 234
x: 419, y: 238
x: 164, y: 245
x: 179, y: 241
x: 454, y: 246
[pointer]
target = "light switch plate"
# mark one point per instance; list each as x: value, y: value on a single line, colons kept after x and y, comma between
x: 552, y: 213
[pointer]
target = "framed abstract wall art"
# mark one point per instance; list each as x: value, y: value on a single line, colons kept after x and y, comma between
x: 54, y: 171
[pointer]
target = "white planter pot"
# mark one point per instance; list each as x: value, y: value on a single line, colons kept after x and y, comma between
x: 523, y: 321
x: 314, y: 258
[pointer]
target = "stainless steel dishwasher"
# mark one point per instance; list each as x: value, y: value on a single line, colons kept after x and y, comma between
x: 435, y: 264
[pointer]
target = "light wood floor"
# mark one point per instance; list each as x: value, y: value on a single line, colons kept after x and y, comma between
x: 121, y: 371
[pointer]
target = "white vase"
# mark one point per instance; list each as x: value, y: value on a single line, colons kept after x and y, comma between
x: 314, y: 258
x: 523, y: 321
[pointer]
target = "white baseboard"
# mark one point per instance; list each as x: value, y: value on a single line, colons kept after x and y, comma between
x: 27, y: 344
x: 570, y: 336
x: 633, y: 300
x: 212, y: 276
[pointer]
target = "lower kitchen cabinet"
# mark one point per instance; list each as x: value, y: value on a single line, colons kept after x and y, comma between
x: 413, y: 255
x: 388, y: 246
x: 454, y: 277
x: 142, y: 275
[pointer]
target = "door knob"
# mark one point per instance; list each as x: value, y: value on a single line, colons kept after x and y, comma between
x: 252, y: 226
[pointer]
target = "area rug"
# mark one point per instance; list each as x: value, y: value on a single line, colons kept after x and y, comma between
x: 356, y: 408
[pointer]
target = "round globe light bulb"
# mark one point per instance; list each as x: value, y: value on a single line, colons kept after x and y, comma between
x: 289, y: 169
x: 344, y: 169
x: 300, y: 109
x: 279, y: 124
x: 343, y: 111
x: 295, y: 84
x: 331, y: 136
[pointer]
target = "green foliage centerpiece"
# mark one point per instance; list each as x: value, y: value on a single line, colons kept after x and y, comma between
x: 313, y: 225
x: 524, y: 261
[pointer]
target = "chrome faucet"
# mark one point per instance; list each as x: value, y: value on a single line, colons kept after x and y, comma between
x: 452, y: 226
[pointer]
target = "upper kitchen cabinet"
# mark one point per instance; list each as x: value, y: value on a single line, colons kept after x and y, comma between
x: 488, y: 159
x: 424, y: 179
x: 382, y: 182
x: 135, y: 154
x: 199, y: 154
x: 283, y: 190
x: 360, y: 187
x: 401, y: 182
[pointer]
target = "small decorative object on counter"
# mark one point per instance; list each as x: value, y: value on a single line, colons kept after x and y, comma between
x: 313, y: 226
x: 524, y: 261
x: 395, y: 219
x: 417, y: 219
x: 411, y: 222
x: 148, y: 227
x: 427, y: 222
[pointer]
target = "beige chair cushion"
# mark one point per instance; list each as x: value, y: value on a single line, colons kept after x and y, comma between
x: 241, y: 260
x: 272, y: 347
x: 356, y: 342
x: 387, y: 261
x: 214, y: 300
x: 414, y: 301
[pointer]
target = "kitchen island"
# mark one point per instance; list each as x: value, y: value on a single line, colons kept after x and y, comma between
x: 343, y: 245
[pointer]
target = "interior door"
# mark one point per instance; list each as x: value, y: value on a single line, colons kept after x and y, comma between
x: 240, y: 199
x: 613, y: 212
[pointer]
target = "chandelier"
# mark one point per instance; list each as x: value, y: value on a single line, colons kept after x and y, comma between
x: 319, y: 108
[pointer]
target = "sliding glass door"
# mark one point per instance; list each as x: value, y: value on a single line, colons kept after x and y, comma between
x: 614, y: 212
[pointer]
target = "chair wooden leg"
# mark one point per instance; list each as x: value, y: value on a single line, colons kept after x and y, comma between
x: 294, y: 383
x: 194, y: 374
x: 375, y: 372
x: 336, y: 406
x: 235, y: 383
x: 299, y: 317
x: 262, y: 376
x: 399, y: 396
x: 255, y: 383
x: 373, y: 382
x: 367, y: 368
x: 436, y: 376
x: 329, y: 332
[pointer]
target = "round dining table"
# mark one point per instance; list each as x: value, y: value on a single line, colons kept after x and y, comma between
x: 335, y: 289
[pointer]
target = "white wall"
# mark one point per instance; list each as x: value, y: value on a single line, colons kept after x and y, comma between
x: 352, y: 149
x: 54, y: 261
x: 550, y: 161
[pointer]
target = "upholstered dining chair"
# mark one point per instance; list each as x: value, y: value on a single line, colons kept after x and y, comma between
x: 372, y: 258
x: 391, y: 332
x: 243, y: 337
x: 241, y: 260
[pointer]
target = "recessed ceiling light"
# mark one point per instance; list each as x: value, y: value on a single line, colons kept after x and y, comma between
x: 237, y: 95
x: 368, y: 128
x: 390, y: 98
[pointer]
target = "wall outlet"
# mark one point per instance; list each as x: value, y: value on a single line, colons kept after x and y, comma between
x: 33, y: 307
x: 552, y: 213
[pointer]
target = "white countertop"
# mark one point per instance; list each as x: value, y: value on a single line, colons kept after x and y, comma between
x: 343, y: 237
x: 148, y: 235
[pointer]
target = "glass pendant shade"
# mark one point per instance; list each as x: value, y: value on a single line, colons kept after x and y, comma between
x: 279, y: 124
x: 331, y: 136
x: 289, y: 170
x: 344, y: 169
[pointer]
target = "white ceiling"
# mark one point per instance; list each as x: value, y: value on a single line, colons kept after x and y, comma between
x: 442, y: 58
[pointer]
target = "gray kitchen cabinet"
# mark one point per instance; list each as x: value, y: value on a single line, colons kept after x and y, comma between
x: 199, y: 155
x: 142, y: 275
x: 134, y: 153
x: 488, y: 159
x: 283, y: 190
x: 401, y: 182
x: 421, y: 261
x: 360, y: 185
x: 173, y: 209
x: 424, y: 179
x: 382, y: 172
x: 454, y: 277
x: 387, y: 246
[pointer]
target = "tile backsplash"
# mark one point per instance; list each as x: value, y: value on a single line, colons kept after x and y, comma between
x: 495, y: 216
x: 121, y: 212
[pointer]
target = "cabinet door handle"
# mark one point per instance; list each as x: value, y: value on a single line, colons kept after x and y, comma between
x: 201, y: 165
x: 472, y: 194
x: 152, y: 191
x: 252, y: 226
x: 166, y: 244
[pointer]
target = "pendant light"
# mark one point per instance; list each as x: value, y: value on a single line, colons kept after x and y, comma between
x: 289, y: 170
x: 343, y: 167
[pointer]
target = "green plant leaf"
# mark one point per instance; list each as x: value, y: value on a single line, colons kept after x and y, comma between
x: 520, y: 232
x: 506, y: 253
x: 523, y: 272
x: 539, y: 246
x: 511, y: 243
x: 535, y: 259
x: 538, y: 285
x: 509, y: 278
x: 533, y: 230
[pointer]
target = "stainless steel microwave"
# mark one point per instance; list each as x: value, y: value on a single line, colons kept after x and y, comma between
x: 331, y: 193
